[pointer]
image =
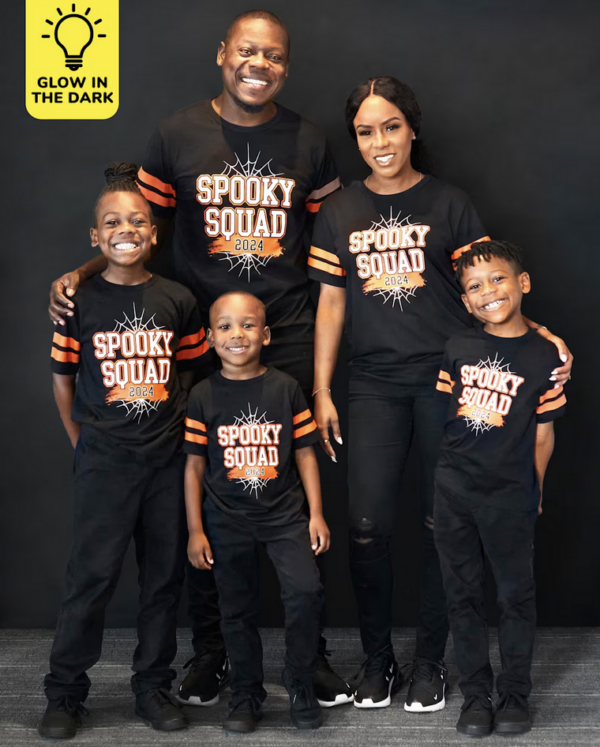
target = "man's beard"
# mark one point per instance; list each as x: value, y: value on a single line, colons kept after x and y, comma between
x: 248, y: 108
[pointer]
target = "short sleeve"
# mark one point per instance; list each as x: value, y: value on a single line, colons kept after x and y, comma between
x: 66, y: 346
x: 467, y: 229
x: 305, y: 432
x: 196, y: 436
x: 324, y: 265
x: 193, y: 343
x: 326, y: 179
x: 551, y: 405
x: 446, y: 379
x: 155, y: 180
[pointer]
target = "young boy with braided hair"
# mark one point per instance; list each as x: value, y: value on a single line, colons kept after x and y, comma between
x: 122, y: 367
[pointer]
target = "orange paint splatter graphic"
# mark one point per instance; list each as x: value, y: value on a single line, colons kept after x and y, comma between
x: 246, y: 473
x: 237, y: 246
x: 485, y: 416
x: 133, y: 392
x: 389, y: 282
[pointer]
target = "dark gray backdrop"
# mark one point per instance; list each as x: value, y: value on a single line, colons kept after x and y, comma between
x: 511, y: 103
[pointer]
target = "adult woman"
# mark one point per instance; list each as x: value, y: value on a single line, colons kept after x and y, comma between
x: 383, y: 253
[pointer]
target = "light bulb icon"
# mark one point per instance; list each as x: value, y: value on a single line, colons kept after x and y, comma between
x: 73, y: 33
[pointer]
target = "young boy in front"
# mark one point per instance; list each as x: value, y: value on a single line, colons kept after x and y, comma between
x: 116, y: 369
x: 497, y: 442
x: 250, y: 468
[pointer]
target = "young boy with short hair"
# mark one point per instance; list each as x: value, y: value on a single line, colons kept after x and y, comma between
x: 497, y: 442
x: 116, y: 369
x: 250, y: 469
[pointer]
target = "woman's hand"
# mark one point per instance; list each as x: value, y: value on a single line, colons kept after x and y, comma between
x: 199, y: 551
x: 562, y: 374
x: 319, y: 534
x: 326, y: 417
x: 61, y: 292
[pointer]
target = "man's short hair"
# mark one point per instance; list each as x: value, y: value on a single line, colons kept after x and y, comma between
x: 263, y: 15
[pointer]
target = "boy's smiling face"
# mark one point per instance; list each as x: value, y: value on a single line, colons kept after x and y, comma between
x: 238, y: 331
x: 124, y: 230
x: 493, y: 291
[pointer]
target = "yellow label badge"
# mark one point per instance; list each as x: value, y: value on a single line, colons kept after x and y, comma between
x: 72, y: 51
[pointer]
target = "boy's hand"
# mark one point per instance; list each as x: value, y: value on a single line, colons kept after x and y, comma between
x: 319, y: 535
x: 199, y: 552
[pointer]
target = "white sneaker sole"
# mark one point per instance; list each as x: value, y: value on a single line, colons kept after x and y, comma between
x: 194, y: 700
x: 369, y: 703
x: 416, y: 707
x: 340, y: 699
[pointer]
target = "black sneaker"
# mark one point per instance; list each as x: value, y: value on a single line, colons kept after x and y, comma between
x: 330, y: 688
x: 62, y: 718
x: 380, y: 679
x: 160, y: 710
x: 512, y: 714
x: 209, y: 674
x: 427, y: 689
x: 476, y: 716
x: 305, y: 710
x: 243, y: 717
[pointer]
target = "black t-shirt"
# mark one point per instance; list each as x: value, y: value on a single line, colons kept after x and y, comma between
x: 123, y: 341
x: 393, y: 254
x: 498, y: 389
x: 249, y: 430
x: 241, y: 197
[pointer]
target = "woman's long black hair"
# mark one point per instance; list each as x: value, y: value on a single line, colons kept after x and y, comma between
x: 402, y: 97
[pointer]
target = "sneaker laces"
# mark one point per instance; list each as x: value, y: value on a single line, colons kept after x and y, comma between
x: 194, y: 662
x: 477, y: 702
x: 377, y: 664
x: 423, y: 670
x: 301, y: 692
x: 510, y: 700
x: 162, y: 697
x: 69, y: 704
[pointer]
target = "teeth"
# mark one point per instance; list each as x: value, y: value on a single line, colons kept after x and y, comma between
x: 384, y: 159
x: 493, y: 305
x: 125, y: 246
x: 237, y: 350
x: 255, y: 81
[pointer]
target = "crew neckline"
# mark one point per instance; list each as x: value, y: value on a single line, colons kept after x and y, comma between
x: 241, y: 128
x: 124, y: 288
x: 415, y: 188
x: 239, y: 382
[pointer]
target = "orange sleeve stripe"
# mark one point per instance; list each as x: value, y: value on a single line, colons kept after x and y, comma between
x: 442, y: 387
x: 319, y: 194
x: 196, y: 424
x: 66, y: 342
x: 312, y: 426
x: 191, y: 339
x: 62, y: 357
x: 466, y: 247
x: 302, y: 416
x: 156, y: 183
x: 554, y: 405
x: 318, y: 265
x: 329, y: 256
x: 551, y: 394
x: 445, y: 376
x: 196, y: 439
x: 157, y: 199
x: 313, y: 207
x: 182, y: 355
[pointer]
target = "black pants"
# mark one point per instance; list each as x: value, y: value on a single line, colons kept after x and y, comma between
x: 115, y: 501
x: 236, y: 570
x: 297, y: 361
x: 381, y: 431
x: 465, y: 530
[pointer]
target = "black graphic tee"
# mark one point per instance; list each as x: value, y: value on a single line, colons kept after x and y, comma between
x: 127, y: 343
x: 498, y: 390
x: 393, y: 254
x: 241, y: 197
x: 249, y: 430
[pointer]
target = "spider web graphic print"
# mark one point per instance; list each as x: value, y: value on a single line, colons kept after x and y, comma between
x: 245, y: 261
x: 253, y: 484
x: 397, y: 294
x: 138, y: 407
x: 475, y: 424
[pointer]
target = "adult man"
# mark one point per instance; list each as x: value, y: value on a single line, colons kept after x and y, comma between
x: 236, y: 179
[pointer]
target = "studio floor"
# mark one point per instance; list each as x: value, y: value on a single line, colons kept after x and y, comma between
x: 565, y: 703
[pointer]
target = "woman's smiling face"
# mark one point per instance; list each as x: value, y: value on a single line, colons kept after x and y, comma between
x: 384, y: 137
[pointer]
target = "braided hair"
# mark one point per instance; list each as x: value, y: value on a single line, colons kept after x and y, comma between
x: 120, y: 176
